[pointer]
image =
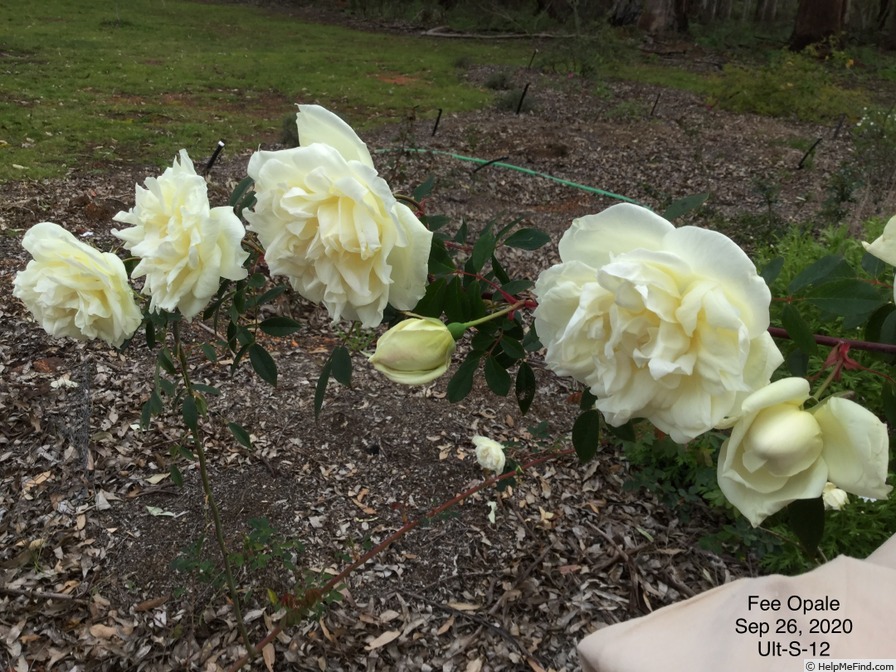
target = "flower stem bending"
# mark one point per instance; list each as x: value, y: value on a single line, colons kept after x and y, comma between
x: 210, y: 498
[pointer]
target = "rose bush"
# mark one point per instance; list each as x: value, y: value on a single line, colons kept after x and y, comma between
x: 185, y: 246
x: 74, y: 290
x: 415, y: 351
x: 330, y: 224
x: 660, y: 323
x: 778, y: 452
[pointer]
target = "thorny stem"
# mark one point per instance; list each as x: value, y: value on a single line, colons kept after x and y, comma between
x: 210, y: 499
x: 392, y: 538
x: 870, y: 346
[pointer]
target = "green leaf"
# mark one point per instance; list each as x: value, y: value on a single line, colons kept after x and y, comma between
x: 205, y: 389
x: 483, y: 249
x: 887, y: 331
x: 342, y: 365
x: 240, y: 434
x: 624, y: 432
x: 433, y: 300
x: 772, y: 270
x: 874, y: 327
x: 499, y: 271
x: 684, y: 206
x: 825, y: 269
x: 240, y: 191
x: 525, y: 387
x: 496, y: 377
x: 268, y: 296
x: 263, y: 364
x: 440, y: 261
x: 165, y: 361
x: 155, y: 403
x: 167, y: 388
x: 462, y: 381
x: 586, y: 403
x: 517, y: 286
x: 798, y: 330
x: 512, y: 348
x: 279, y: 326
x: 797, y: 362
x: 191, y: 415
x: 586, y: 435
x: 454, y: 301
x: 510, y: 466
x: 527, y: 239
x: 424, y: 190
x: 807, y: 522
x: 889, y: 403
x: 435, y: 222
x: 874, y: 266
x: 150, y: 334
x: 531, y: 342
x: 176, y: 477
x: 320, y: 390
x: 846, y: 297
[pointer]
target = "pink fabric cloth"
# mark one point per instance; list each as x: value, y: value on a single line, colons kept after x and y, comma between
x: 729, y: 628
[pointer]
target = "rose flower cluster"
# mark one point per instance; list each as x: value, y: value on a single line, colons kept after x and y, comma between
x: 661, y: 323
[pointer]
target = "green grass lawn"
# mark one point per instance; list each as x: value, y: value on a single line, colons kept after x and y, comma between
x: 89, y: 85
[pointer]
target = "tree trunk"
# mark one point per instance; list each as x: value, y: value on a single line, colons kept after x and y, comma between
x: 766, y: 11
x: 887, y: 21
x: 625, y: 12
x: 660, y: 16
x: 816, y: 21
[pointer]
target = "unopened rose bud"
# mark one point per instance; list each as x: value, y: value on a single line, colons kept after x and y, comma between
x: 415, y: 351
x: 833, y: 497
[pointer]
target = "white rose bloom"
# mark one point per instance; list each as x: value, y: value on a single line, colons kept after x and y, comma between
x: 778, y: 452
x: 489, y: 453
x: 661, y: 323
x: 74, y: 290
x: 884, y: 247
x: 185, y: 246
x: 330, y: 224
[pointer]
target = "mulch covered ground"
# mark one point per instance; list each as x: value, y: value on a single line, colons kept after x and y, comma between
x: 90, y: 523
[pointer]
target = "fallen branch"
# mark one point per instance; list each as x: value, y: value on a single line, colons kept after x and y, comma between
x: 440, y: 31
x: 41, y: 595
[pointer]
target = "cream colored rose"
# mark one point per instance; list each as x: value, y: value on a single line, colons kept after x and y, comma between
x: 330, y: 224
x: 778, y: 452
x: 884, y: 247
x: 74, y: 290
x: 185, y: 246
x: 415, y: 351
x: 661, y: 323
x: 489, y: 454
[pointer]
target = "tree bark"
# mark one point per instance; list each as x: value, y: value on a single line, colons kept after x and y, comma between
x: 817, y: 21
x: 766, y: 11
x: 625, y: 12
x: 887, y: 22
x: 660, y: 16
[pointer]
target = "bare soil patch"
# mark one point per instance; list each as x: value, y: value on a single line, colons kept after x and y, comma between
x: 85, y: 554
